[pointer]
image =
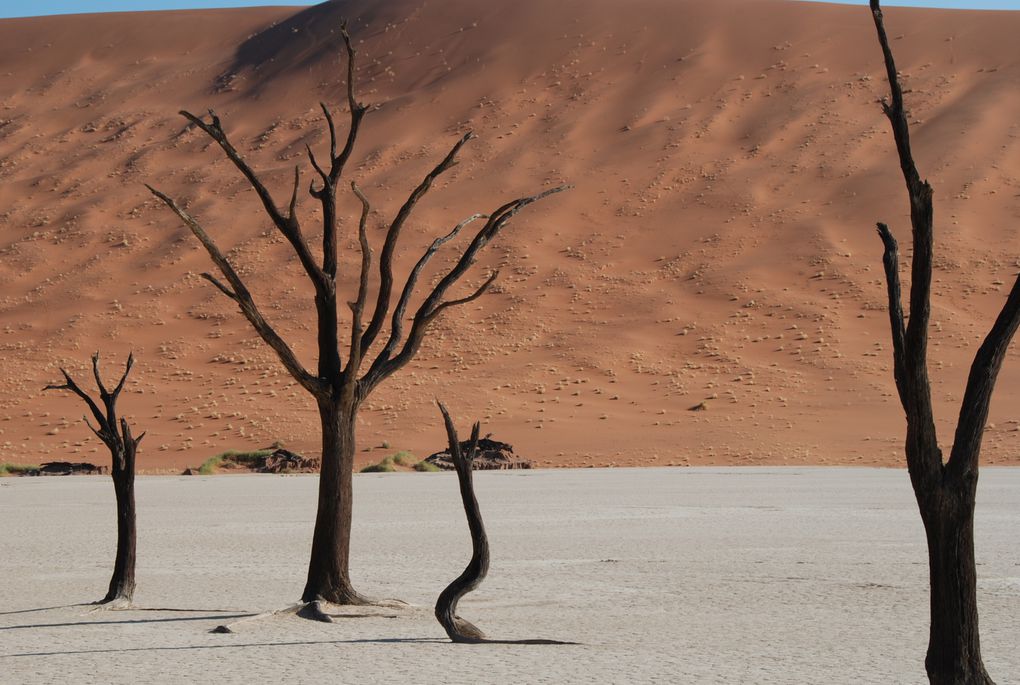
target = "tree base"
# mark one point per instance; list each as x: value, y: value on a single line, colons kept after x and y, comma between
x: 322, y: 611
x: 114, y: 604
x: 975, y: 676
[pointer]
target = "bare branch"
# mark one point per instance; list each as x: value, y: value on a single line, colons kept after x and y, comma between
x: 93, y: 428
x: 332, y: 129
x: 293, y: 197
x: 464, y: 300
x: 99, y: 381
x: 358, y: 306
x: 433, y: 304
x: 397, y: 322
x: 386, y: 258
x: 892, y: 278
x: 980, y: 384
x: 245, y: 302
x: 288, y: 226
x: 219, y: 285
x: 923, y: 455
x: 129, y: 439
x: 357, y: 111
x: 896, y: 111
x: 319, y: 170
x: 496, y: 222
x: 327, y: 195
x: 123, y: 379
x: 73, y: 387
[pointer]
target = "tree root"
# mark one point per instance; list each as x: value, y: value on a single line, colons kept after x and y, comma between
x: 324, y: 612
x: 115, y: 604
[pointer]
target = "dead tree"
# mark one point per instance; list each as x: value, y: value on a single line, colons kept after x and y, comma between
x: 945, y: 490
x: 339, y: 388
x: 116, y: 435
x: 457, y: 628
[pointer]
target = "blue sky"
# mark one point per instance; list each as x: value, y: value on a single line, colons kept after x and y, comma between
x: 25, y: 8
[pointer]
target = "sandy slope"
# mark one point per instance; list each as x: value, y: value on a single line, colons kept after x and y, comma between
x: 730, y: 162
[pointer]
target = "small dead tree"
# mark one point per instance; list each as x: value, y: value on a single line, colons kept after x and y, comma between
x: 945, y: 490
x: 339, y: 388
x: 116, y: 435
x: 457, y: 628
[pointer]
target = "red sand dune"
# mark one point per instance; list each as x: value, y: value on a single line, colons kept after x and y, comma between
x: 729, y: 158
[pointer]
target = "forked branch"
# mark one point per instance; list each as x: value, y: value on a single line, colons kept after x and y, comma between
x: 923, y: 454
x: 386, y: 363
x: 910, y: 342
x: 337, y: 160
x: 70, y: 385
x: 393, y: 234
x: 288, y: 224
x: 115, y: 434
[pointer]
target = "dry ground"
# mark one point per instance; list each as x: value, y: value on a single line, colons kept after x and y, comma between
x: 799, y: 575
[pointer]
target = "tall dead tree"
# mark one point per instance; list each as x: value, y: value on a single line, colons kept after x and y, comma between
x: 945, y: 490
x: 339, y: 388
x: 116, y: 435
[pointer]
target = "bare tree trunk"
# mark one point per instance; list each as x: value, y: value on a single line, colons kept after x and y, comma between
x: 457, y: 628
x: 122, y: 583
x: 328, y: 568
x: 116, y: 435
x: 954, y: 648
x: 945, y: 490
x: 337, y: 387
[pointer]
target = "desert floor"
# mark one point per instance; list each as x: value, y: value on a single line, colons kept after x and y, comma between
x: 707, y: 575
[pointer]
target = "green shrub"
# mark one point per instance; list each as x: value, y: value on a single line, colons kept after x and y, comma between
x: 404, y: 458
x: 8, y: 469
x: 426, y: 467
x: 210, y: 465
x: 385, y: 466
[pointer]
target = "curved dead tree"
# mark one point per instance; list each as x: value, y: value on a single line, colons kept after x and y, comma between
x: 116, y: 435
x: 945, y: 490
x: 456, y: 627
x: 338, y: 386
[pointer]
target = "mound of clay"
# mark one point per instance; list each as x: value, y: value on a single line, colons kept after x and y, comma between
x: 492, y: 456
x: 278, y: 461
x: 67, y: 468
x: 285, y: 461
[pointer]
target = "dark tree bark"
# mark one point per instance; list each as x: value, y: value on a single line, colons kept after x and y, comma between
x: 339, y: 388
x: 117, y: 436
x: 457, y: 628
x: 945, y: 490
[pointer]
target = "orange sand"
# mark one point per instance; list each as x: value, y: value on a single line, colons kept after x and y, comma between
x: 730, y: 162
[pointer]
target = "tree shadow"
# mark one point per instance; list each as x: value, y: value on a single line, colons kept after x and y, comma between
x: 129, y: 621
x: 30, y: 611
x: 296, y: 643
